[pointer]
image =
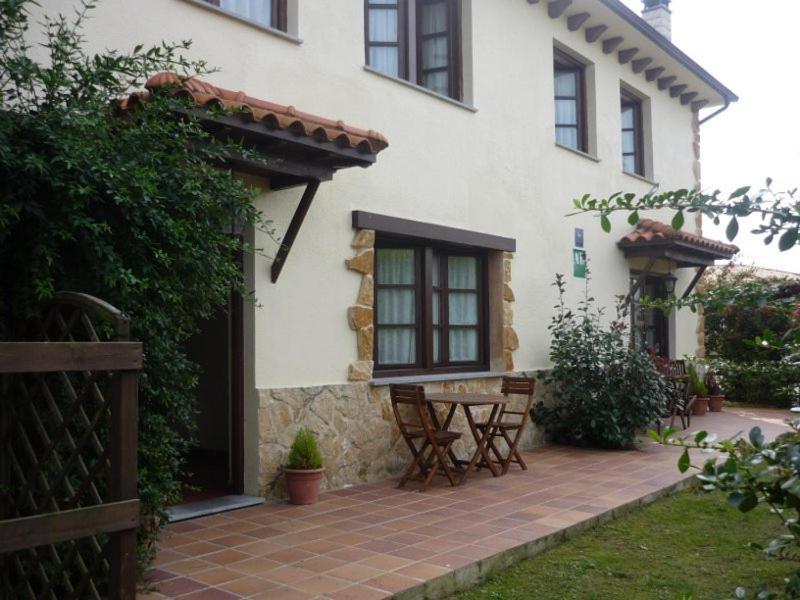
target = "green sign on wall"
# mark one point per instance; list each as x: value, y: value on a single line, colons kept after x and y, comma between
x: 579, y: 262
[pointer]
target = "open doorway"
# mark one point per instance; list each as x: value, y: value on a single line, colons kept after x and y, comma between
x: 215, y: 464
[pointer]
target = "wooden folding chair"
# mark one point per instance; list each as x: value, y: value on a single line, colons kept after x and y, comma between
x: 681, y: 400
x: 422, y: 436
x: 505, y: 427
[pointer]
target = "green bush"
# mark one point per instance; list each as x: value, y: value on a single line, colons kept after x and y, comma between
x: 305, y: 453
x: 127, y: 207
x: 699, y: 387
x: 603, y: 390
x: 772, y: 383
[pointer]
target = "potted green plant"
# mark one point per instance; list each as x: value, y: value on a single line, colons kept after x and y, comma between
x: 715, y: 395
x: 304, y: 468
x: 699, y: 390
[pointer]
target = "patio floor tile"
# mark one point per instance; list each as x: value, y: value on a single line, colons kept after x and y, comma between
x: 374, y: 540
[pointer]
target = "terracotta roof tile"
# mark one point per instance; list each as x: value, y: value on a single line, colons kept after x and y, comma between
x: 648, y: 230
x: 273, y: 116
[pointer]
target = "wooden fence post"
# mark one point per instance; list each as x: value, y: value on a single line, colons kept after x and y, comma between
x: 123, y: 480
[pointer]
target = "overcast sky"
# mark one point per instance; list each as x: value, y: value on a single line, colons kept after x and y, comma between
x: 752, y: 48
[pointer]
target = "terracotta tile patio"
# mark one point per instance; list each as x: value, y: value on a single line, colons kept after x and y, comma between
x: 374, y: 541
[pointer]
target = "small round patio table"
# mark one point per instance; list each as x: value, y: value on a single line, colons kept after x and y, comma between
x: 467, y: 402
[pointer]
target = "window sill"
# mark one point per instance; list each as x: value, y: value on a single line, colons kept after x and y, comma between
x: 271, y: 30
x: 419, y: 88
x: 578, y: 152
x: 381, y: 381
x: 639, y: 177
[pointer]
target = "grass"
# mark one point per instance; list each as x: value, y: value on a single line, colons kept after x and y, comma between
x: 684, y: 546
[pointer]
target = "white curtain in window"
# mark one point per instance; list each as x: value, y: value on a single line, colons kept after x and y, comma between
x: 434, y: 18
x: 259, y: 11
x: 567, y: 136
x: 385, y: 59
x: 566, y: 112
x: 396, y: 307
x: 462, y: 274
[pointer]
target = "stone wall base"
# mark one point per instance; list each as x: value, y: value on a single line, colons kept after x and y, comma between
x: 356, y: 430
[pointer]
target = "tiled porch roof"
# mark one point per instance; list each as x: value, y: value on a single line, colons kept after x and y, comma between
x: 272, y: 116
x: 649, y: 231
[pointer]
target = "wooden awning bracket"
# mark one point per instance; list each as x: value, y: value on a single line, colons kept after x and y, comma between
x: 294, y: 227
x: 698, y: 274
x: 640, y: 279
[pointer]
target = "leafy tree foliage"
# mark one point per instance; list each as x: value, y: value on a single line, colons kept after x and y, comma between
x: 779, y: 211
x: 603, y: 390
x: 125, y: 206
x: 753, y: 472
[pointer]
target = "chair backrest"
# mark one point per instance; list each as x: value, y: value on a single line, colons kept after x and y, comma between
x: 677, y: 368
x: 413, y: 396
x: 523, y: 386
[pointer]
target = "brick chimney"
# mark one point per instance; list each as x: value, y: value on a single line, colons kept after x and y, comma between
x: 658, y: 16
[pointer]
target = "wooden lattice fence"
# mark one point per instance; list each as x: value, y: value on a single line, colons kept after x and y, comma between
x: 68, y: 437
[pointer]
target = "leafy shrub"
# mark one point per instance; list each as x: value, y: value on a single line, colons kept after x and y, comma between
x: 129, y: 208
x: 772, y: 383
x: 305, y: 453
x: 754, y: 472
x: 699, y: 387
x: 603, y: 390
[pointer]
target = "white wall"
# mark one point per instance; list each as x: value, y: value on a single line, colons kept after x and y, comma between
x: 496, y: 170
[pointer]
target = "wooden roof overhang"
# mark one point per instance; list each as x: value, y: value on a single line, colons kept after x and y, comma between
x: 683, y: 254
x: 284, y: 158
x: 286, y: 146
x: 653, y: 240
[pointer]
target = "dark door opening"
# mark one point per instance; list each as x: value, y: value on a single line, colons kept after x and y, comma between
x: 214, y: 464
x: 650, y: 326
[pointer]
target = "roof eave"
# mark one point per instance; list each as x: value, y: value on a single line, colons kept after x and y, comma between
x: 667, y: 46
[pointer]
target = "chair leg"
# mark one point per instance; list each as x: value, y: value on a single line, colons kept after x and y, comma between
x: 411, y: 468
x: 513, y: 450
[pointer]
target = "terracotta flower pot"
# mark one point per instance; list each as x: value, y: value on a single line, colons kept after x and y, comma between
x: 303, y: 485
x: 715, y: 403
x: 700, y: 406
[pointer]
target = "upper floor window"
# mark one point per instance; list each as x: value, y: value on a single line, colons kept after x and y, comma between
x: 570, y: 103
x: 632, y: 135
x: 429, y: 308
x: 416, y: 40
x: 269, y: 13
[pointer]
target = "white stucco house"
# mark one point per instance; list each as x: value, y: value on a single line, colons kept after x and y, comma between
x: 435, y: 263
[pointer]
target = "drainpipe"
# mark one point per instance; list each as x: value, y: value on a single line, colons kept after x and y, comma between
x: 718, y: 112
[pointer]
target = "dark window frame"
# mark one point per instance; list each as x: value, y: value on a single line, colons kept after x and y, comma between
x: 563, y: 62
x: 277, y: 18
x: 409, y: 42
x: 628, y: 100
x: 423, y: 258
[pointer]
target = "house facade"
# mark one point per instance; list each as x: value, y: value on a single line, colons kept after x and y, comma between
x: 435, y: 264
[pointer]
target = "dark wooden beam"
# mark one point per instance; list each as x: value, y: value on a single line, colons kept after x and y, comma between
x: 32, y: 357
x: 612, y: 44
x: 429, y: 231
x: 698, y: 274
x: 556, y: 8
x: 654, y: 73
x: 60, y: 526
x: 699, y: 105
x: 575, y: 22
x: 625, y: 56
x: 294, y: 228
x: 665, y: 82
x: 688, y: 97
x: 677, y: 90
x: 593, y: 33
x: 640, y: 64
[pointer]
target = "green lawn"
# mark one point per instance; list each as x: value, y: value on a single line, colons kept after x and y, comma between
x: 687, y: 544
